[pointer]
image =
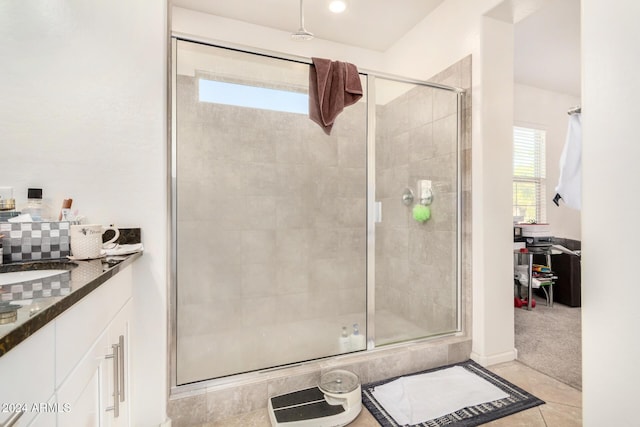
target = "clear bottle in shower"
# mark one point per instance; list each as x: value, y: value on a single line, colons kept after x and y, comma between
x: 344, y: 341
x: 358, y: 341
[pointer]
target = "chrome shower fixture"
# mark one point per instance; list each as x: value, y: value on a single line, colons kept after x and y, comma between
x: 302, y: 34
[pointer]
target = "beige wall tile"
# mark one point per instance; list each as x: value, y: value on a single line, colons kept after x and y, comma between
x: 421, y: 141
x: 188, y: 411
x: 445, y: 135
x: 323, y: 151
x: 226, y: 402
x: 420, y: 109
x: 352, y: 151
x: 291, y: 146
x: 445, y: 103
x: 258, y: 246
x: 259, y: 280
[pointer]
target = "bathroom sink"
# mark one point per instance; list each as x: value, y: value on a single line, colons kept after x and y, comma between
x: 27, y: 276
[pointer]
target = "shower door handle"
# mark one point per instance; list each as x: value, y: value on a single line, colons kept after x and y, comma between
x: 377, y: 212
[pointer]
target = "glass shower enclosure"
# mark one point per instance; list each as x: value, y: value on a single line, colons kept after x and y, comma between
x: 291, y: 245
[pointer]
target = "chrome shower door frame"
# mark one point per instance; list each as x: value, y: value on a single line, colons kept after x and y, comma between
x: 370, y: 221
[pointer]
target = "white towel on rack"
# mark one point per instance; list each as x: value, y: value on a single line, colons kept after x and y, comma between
x: 570, y: 182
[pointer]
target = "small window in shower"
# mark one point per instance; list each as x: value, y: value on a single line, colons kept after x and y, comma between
x: 261, y: 98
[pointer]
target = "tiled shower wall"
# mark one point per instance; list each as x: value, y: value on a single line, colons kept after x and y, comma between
x: 416, y: 138
x: 271, y: 218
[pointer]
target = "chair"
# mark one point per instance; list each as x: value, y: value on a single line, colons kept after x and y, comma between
x: 523, y: 275
x: 567, y: 267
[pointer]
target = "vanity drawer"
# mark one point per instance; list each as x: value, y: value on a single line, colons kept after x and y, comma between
x: 78, y: 328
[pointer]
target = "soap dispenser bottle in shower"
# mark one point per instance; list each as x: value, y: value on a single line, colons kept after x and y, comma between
x: 358, y: 341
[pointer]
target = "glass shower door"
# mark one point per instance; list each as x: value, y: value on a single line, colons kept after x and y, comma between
x: 270, y: 217
x: 416, y: 261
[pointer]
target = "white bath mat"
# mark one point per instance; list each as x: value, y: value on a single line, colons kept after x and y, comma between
x: 464, y: 394
x: 415, y: 399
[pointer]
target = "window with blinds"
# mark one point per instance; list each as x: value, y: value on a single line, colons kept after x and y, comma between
x: 529, y: 198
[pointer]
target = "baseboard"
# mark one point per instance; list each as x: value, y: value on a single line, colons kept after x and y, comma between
x: 494, y: 359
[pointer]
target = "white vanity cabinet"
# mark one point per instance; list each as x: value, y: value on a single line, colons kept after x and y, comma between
x: 83, y: 391
x: 88, y: 391
x: 74, y: 371
x: 93, y: 357
x: 28, y: 376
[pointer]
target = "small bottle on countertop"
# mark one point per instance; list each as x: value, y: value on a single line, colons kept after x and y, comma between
x: 35, y: 207
x: 65, y: 211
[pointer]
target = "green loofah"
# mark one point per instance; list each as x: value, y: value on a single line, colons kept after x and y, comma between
x: 421, y: 213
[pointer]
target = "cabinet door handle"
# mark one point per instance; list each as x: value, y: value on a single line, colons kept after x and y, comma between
x: 115, y: 355
x: 13, y: 419
x: 122, y: 360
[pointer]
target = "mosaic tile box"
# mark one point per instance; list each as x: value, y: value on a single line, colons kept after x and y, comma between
x: 28, y: 241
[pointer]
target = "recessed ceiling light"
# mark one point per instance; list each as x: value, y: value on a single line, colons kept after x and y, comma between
x: 337, y: 6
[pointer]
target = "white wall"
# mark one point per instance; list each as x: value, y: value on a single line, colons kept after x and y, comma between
x: 610, y: 291
x: 83, y: 115
x: 547, y: 110
x: 211, y: 28
x: 493, y: 316
x: 451, y: 32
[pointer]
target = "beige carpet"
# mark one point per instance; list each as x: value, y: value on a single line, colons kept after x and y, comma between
x: 549, y: 340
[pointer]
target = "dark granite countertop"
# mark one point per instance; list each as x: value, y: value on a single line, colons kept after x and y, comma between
x: 26, y: 308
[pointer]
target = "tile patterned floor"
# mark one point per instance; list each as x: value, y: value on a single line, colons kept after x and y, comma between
x: 563, y: 406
